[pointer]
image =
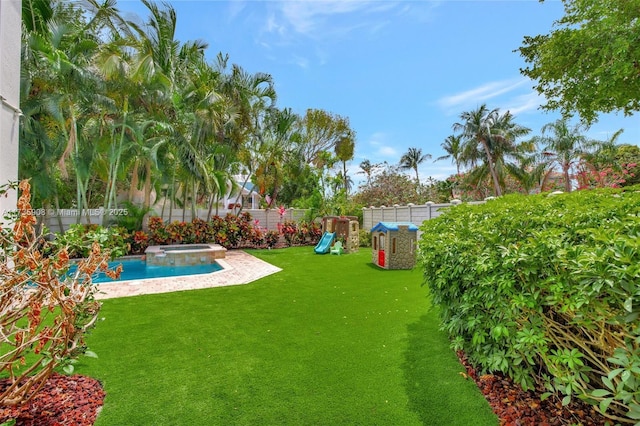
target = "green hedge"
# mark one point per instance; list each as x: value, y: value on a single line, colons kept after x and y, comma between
x: 545, y: 289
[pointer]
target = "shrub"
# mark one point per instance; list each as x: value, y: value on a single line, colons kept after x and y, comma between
x: 79, y: 239
x: 365, y: 237
x: 271, y: 238
x: 290, y: 232
x: 258, y: 237
x: 309, y: 232
x: 545, y: 289
x: 203, y: 231
x: 138, y: 241
x: 158, y: 234
x: 230, y: 232
x: 44, y: 313
x: 179, y: 232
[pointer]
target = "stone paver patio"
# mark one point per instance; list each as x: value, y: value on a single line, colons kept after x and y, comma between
x: 239, y: 268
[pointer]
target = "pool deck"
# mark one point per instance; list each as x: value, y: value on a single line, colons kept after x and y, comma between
x: 239, y: 268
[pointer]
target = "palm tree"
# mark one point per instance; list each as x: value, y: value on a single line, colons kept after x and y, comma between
x: 495, y: 133
x: 452, y: 145
x: 412, y: 160
x: 531, y: 168
x: 476, y: 127
x: 274, y: 149
x: 565, y: 144
x: 367, y: 169
x: 63, y: 54
x: 344, y: 150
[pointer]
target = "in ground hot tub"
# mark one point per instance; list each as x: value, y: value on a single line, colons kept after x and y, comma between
x: 184, y: 254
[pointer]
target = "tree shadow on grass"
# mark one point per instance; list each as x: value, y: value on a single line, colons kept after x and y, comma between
x: 437, y: 392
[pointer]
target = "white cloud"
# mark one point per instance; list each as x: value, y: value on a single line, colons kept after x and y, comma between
x: 387, y: 151
x: 377, y: 139
x: 305, y: 17
x: 478, y: 95
x: 525, y: 103
x: 300, y: 61
x: 318, y: 19
x: 273, y: 26
x: 236, y: 8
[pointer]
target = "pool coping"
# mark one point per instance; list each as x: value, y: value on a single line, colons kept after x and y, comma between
x: 239, y: 268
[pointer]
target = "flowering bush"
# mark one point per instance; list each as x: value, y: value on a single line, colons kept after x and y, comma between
x: 608, y: 177
x: 44, y: 313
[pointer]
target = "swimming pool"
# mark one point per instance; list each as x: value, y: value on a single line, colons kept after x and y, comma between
x: 137, y: 269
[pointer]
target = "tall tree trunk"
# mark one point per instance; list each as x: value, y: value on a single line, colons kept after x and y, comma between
x: 184, y: 201
x: 147, y: 185
x: 211, y: 199
x: 494, y: 175
x: 246, y: 179
x: 194, y: 209
x: 164, y: 202
x: 567, y: 178
x: 134, y: 181
x: 172, y: 199
x: 56, y: 200
x: 110, y: 200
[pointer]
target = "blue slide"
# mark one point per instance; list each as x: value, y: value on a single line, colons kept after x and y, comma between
x: 324, y: 245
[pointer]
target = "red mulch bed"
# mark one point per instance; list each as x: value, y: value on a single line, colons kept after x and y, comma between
x: 63, y: 401
x: 516, y: 407
x: 77, y: 400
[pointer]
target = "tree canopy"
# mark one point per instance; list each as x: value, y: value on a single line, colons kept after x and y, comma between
x: 588, y: 63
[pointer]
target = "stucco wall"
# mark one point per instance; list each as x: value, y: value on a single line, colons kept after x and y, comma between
x: 10, y: 21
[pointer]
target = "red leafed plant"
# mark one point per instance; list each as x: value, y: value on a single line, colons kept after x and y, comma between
x: 44, y: 312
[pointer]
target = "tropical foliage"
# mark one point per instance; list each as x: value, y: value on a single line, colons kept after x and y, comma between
x: 124, y: 112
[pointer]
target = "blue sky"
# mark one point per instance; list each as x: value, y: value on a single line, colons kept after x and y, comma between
x: 401, y: 71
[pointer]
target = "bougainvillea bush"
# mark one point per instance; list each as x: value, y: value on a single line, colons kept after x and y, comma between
x: 545, y: 289
x: 44, y: 313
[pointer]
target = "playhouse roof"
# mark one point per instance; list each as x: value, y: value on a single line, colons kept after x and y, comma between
x: 393, y: 226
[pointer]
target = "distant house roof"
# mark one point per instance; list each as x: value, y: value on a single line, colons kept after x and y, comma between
x: 393, y: 226
x: 251, y: 187
x: 247, y: 187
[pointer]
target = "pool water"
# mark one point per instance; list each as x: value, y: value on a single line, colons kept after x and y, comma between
x: 136, y: 269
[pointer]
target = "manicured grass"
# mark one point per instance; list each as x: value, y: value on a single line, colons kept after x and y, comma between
x: 330, y: 340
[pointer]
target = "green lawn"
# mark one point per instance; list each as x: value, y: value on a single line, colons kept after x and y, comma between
x: 330, y: 340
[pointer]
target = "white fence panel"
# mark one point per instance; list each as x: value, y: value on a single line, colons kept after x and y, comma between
x: 412, y: 213
x: 267, y: 218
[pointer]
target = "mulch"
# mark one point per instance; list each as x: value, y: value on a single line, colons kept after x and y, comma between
x: 515, y: 407
x: 63, y: 401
